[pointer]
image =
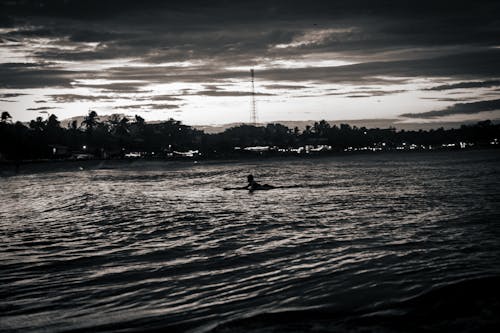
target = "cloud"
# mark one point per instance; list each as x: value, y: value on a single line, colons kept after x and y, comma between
x: 152, y: 106
x: 450, y: 99
x: 96, y: 36
x: 158, y: 31
x: 249, y: 33
x: 476, y: 64
x: 460, y: 108
x: 30, y: 75
x: 463, y: 65
x: 43, y: 108
x: 467, y: 85
x: 11, y: 95
x: 481, y: 64
x: 228, y: 93
x: 370, y: 93
x: 131, y: 44
x: 285, y: 86
x: 69, y: 98
x: 121, y: 87
x: 163, y: 98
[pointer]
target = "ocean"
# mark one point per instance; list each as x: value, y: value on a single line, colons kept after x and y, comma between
x: 384, y: 242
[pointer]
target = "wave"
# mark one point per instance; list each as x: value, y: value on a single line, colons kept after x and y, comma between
x: 356, y: 246
x: 469, y: 305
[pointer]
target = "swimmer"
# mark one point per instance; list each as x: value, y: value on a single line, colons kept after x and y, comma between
x: 253, y: 185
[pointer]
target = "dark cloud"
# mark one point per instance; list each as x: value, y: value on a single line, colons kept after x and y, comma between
x: 42, y: 108
x: 121, y: 87
x: 371, y: 93
x: 228, y: 93
x: 151, y: 106
x: 460, y: 108
x: 215, y: 90
x: 285, y: 86
x: 24, y: 32
x: 68, y: 98
x: 270, y: 9
x: 463, y: 65
x: 27, y: 75
x: 460, y: 66
x: 242, y: 31
x: 95, y: 36
x: 11, y: 95
x: 388, y: 42
x: 467, y: 85
x: 164, y: 98
x: 355, y: 93
x: 450, y: 99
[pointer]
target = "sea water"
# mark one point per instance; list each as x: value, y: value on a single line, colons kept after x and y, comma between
x: 384, y: 242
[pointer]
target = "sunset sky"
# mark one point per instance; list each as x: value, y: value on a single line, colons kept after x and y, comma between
x: 410, y: 61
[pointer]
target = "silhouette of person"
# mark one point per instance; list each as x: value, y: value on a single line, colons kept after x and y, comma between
x: 253, y: 185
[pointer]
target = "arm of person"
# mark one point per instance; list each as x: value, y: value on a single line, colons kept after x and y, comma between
x: 246, y: 187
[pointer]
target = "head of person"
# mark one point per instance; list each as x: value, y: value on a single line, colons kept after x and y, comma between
x: 250, y: 178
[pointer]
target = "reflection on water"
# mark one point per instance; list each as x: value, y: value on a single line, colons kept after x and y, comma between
x: 152, y: 245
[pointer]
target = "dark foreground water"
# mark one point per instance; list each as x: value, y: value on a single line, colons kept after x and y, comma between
x: 385, y: 242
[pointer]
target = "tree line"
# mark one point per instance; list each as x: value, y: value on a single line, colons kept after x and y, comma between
x: 118, y: 135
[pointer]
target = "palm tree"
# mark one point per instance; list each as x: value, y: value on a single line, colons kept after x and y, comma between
x: 139, y: 120
x: 52, y: 122
x: 118, y: 125
x: 38, y: 124
x: 321, y: 128
x: 122, y: 127
x: 6, y: 117
x: 73, y: 126
x: 113, y: 121
x: 90, y: 121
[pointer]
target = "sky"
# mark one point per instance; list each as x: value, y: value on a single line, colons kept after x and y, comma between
x: 406, y: 61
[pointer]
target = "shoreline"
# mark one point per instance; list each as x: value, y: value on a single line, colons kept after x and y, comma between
x: 11, y: 168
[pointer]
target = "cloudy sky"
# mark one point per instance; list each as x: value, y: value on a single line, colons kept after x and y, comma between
x: 414, y: 61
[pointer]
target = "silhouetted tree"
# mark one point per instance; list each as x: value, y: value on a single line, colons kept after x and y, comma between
x: 53, y: 123
x: 73, y: 126
x: 6, y: 117
x: 321, y: 129
x: 123, y: 127
x: 38, y: 124
x: 139, y: 120
x: 118, y: 135
x: 90, y: 121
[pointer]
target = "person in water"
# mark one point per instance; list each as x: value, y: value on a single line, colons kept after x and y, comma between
x: 253, y: 185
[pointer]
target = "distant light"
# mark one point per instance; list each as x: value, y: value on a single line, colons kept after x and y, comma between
x: 84, y: 147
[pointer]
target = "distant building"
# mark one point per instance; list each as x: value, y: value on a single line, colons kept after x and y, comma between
x: 59, y: 150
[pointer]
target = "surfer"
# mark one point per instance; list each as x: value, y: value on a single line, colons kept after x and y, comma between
x: 253, y: 185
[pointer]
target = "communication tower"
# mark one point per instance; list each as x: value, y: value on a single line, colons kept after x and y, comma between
x: 253, y: 114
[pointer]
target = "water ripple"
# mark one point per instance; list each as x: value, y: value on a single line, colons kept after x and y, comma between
x: 162, y: 246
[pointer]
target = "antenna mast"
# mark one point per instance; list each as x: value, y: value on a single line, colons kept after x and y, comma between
x: 253, y: 115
